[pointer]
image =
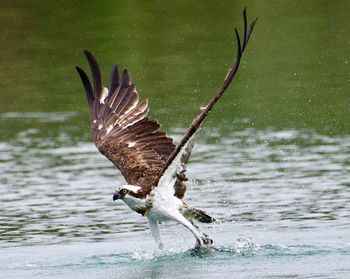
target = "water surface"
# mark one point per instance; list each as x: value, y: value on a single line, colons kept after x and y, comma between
x: 271, y: 164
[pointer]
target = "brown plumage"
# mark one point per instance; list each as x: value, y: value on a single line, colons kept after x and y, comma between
x: 121, y: 130
x: 135, y: 144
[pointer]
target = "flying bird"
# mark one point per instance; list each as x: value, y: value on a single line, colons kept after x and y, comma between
x: 153, y: 166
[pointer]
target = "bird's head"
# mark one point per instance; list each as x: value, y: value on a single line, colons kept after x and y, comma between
x: 125, y: 191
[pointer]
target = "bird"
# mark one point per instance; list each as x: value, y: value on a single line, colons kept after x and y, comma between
x: 153, y: 166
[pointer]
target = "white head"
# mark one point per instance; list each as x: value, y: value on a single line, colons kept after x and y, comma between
x: 126, y: 194
x: 125, y: 191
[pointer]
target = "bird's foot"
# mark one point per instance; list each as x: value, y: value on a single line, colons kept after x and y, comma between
x: 160, y: 246
x: 205, y: 242
x: 160, y: 249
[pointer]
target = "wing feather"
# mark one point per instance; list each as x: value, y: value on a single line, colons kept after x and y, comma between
x: 114, y: 80
x: 175, y: 166
x: 87, y: 85
x: 121, y: 130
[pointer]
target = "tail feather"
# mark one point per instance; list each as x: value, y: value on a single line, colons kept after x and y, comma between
x: 200, y: 215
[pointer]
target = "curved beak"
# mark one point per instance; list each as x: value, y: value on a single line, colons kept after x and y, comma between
x: 117, y: 196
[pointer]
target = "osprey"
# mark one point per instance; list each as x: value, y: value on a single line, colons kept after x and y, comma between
x: 152, y: 165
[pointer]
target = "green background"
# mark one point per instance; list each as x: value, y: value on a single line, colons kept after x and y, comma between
x: 294, y: 75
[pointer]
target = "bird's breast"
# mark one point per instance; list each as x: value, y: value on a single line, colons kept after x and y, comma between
x: 136, y: 204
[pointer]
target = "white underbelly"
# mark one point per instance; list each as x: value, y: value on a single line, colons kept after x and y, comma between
x: 164, y: 209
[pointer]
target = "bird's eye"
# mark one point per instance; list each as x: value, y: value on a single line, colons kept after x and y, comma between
x: 124, y: 191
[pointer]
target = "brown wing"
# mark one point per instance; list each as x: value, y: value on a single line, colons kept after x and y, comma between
x: 121, y: 130
x: 175, y: 165
x: 185, y: 143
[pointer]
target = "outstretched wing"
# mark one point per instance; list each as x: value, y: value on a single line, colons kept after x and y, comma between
x: 174, y: 165
x: 121, y: 130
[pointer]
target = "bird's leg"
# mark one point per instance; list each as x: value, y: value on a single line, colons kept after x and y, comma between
x: 153, y: 224
x: 202, y: 239
x: 198, y: 229
x: 208, y: 240
x: 194, y: 225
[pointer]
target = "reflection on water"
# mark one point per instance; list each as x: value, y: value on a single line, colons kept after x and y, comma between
x: 54, y: 191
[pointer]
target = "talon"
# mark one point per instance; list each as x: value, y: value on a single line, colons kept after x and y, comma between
x: 207, y: 241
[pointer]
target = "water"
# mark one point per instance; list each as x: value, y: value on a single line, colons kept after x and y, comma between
x: 271, y: 164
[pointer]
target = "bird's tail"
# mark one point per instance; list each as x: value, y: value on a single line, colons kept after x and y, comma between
x: 197, y: 214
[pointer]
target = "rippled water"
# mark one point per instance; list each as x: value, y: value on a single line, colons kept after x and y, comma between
x: 256, y: 261
x: 281, y: 198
